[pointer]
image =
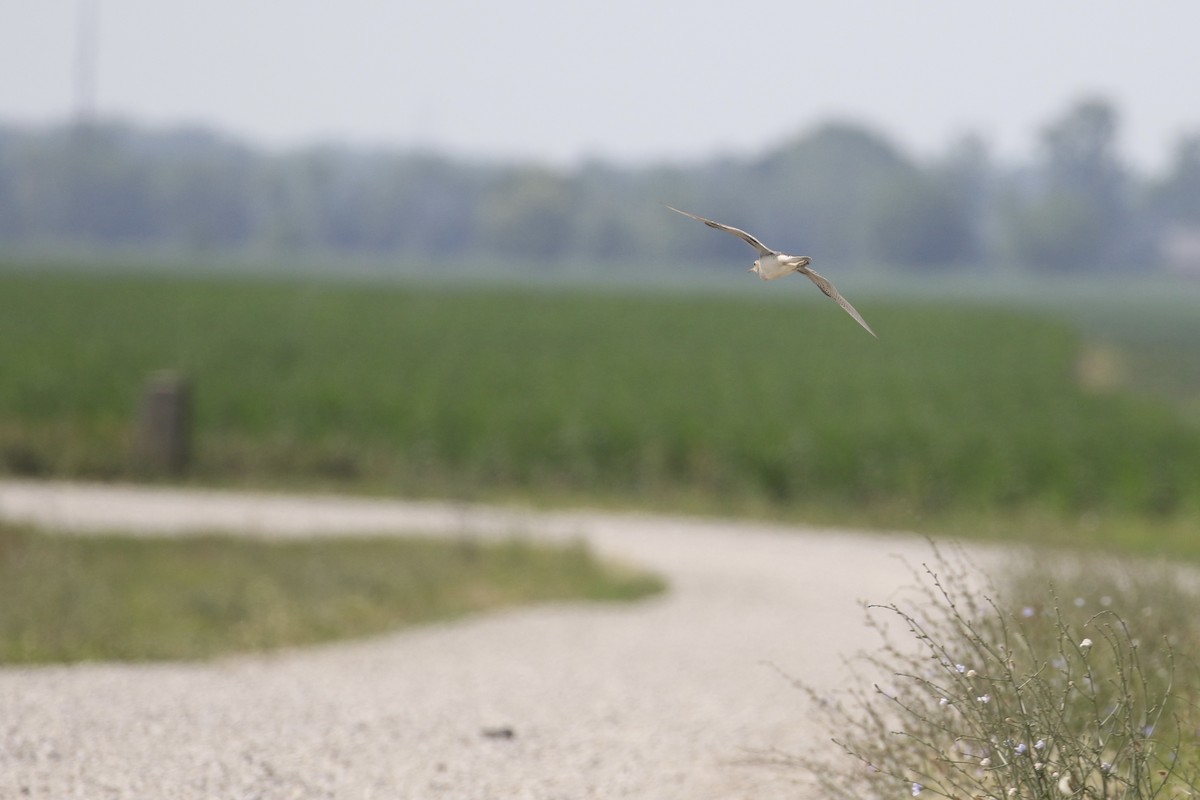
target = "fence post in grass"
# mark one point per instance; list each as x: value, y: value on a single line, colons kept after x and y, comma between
x: 164, y: 424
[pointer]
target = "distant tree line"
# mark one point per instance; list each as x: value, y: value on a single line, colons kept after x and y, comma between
x: 840, y: 191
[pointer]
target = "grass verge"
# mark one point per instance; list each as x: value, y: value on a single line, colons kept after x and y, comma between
x: 111, y: 597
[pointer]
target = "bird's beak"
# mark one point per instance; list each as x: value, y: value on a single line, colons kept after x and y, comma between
x: 751, y: 269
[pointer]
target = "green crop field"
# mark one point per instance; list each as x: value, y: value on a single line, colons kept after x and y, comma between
x: 768, y: 403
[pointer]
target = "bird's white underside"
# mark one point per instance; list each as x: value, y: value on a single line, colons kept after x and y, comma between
x: 775, y: 266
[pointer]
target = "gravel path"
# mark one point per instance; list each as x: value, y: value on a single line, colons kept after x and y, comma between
x: 660, y: 699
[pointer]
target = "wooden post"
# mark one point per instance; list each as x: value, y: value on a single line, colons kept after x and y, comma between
x: 164, y: 424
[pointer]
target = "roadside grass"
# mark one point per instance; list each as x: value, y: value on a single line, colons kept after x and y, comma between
x: 1071, y: 677
x: 70, y: 598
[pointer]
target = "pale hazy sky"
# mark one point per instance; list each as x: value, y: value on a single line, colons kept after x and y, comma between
x: 626, y: 80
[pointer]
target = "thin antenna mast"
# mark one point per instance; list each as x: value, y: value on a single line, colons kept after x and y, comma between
x: 85, y: 61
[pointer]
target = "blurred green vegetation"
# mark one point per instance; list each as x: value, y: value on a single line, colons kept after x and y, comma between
x: 66, y: 598
x: 771, y: 403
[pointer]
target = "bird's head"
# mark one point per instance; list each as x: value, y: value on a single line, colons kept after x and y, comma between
x: 755, y: 268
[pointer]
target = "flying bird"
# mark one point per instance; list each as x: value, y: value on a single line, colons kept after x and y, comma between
x: 772, y: 264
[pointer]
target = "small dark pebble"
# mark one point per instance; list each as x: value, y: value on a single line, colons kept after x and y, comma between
x: 499, y: 733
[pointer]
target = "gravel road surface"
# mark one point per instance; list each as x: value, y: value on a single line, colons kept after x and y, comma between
x: 660, y: 699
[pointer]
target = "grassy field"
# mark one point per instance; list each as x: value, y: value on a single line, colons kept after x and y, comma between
x: 118, y: 598
x: 1146, y: 331
x: 769, y: 402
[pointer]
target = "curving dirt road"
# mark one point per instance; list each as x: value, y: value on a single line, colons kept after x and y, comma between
x: 661, y: 699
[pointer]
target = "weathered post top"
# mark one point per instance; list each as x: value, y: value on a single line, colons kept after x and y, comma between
x: 164, y: 424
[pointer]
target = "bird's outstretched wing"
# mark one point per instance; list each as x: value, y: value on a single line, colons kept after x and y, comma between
x: 825, y: 286
x: 762, y: 249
